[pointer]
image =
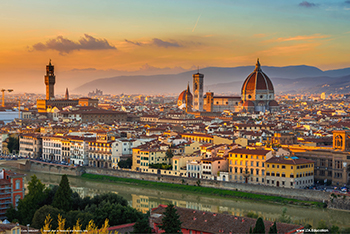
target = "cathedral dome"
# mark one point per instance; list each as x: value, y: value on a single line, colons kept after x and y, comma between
x: 182, y: 96
x: 185, y: 99
x: 257, y: 81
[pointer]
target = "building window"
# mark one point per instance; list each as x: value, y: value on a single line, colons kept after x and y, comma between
x: 17, y: 197
x: 18, y: 184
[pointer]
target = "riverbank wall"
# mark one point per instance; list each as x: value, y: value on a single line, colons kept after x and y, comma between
x: 301, y: 194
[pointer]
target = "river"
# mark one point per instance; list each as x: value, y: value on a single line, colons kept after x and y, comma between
x: 144, y: 198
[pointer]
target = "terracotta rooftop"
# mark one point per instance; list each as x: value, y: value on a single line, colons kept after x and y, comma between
x: 249, y: 151
x: 209, y: 222
x: 282, y: 160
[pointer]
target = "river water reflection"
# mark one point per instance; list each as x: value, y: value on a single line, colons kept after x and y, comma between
x: 146, y: 198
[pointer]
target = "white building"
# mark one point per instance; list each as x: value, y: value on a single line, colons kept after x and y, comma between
x: 79, y: 151
x: 52, y: 148
x: 123, y: 147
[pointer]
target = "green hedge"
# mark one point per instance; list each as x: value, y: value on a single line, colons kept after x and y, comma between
x: 205, y: 190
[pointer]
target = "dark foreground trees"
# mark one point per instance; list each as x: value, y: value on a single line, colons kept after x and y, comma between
x: 60, y: 200
x: 63, y: 197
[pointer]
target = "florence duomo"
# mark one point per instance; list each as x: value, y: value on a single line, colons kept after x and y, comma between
x: 257, y: 95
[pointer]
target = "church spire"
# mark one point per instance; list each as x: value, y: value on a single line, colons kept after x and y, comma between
x: 67, y: 94
x: 188, y: 87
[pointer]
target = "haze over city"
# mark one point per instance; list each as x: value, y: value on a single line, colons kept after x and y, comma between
x: 87, y: 40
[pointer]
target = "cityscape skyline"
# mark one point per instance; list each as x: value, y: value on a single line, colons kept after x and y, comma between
x: 96, y: 40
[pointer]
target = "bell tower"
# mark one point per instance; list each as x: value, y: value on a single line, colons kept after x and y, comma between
x: 341, y: 140
x: 198, y: 91
x: 50, y: 80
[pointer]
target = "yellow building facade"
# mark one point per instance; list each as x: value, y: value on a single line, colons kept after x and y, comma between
x: 289, y: 172
x: 248, y: 165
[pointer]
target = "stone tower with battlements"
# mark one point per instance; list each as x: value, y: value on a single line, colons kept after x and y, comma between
x: 50, y: 80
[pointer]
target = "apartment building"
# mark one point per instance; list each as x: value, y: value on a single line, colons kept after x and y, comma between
x: 289, y: 172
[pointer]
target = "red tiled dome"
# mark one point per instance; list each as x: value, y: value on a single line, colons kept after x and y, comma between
x: 257, y: 80
x: 182, y: 96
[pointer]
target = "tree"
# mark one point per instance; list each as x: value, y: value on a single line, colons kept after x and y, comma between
x: 40, y: 214
x: 31, y: 202
x: 91, y: 228
x: 284, y: 218
x: 13, y: 144
x: 273, y: 229
x: 169, y: 154
x: 63, y: 196
x: 142, y: 225
x: 171, y: 220
x: 259, y: 226
x: 125, y: 163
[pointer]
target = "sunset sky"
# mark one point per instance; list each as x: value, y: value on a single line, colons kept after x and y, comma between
x: 96, y: 39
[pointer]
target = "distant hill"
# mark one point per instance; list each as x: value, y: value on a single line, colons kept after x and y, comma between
x: 221, y: 80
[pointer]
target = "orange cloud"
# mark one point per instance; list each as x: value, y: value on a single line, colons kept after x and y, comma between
x: 300, y: 38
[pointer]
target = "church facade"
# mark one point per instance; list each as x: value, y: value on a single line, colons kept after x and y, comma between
x: 257, y: 95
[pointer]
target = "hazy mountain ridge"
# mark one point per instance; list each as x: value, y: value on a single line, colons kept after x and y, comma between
x: 224, y: 80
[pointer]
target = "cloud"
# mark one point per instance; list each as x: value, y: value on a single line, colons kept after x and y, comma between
x: 160, y: 43
x: 134, y: 43
x: 301, y: 38
x: 307, y: 4
x: 157, y: 42
x: 65, y: 45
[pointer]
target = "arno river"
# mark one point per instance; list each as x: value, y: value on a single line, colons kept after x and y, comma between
x: 146, y: 198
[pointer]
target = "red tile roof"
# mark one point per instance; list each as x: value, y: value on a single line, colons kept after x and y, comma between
x: 282, y: 160
x: 217, y: 223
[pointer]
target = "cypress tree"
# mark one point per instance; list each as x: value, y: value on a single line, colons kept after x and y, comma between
x: 273, y: 229
x: 259, y: 226
x: 171, y: 220
x: 63, y: 197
